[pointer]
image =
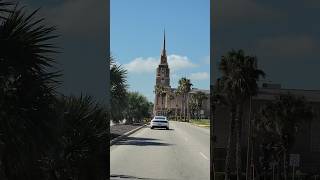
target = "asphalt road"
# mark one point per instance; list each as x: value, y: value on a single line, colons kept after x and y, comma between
x: 181, y: 153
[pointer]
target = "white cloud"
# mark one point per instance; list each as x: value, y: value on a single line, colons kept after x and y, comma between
x: 142, y: 65
x: 198, y: 76
x: 177, y: 62
x: 149, y: 64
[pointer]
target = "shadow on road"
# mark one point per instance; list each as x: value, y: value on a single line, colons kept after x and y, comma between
x: 163, y: 129
x: 137, y: 141
x: 118, y: 177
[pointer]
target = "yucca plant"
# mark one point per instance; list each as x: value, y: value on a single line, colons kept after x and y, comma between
x: 26, y: 92
x: 5, y: 8
x: 81, y: 148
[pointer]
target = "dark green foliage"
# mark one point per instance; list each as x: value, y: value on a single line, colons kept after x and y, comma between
x: 119, y: 88
x: 278, y: 123
x: 184, y: 88
x: 195, y: 103
x: 5, y: 8
x: 26, y: 92
x: 238, y: 83
x: 240, y: 74
x: 138, y: 107
x: 80, y: 149
x: 42, y: 136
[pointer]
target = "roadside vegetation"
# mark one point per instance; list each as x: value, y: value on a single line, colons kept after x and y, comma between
x: 132, y: 107
x: 272, y: 129
x: 201, y: 122
x: 43, y: 134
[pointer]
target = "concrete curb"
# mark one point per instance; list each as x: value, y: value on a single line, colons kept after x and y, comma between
x: 113, y: 141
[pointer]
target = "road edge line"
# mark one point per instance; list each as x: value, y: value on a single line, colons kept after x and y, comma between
x: 113, y: 141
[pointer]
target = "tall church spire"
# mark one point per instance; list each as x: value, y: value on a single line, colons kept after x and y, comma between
x: 164, y: 44
x: 164, y: 39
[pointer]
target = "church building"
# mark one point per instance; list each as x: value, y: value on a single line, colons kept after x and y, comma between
x: 167, y: 101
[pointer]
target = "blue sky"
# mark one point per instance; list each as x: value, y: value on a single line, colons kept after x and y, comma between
x: 137, y: 35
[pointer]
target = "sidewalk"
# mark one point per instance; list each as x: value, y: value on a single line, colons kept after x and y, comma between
x: 117, y: 130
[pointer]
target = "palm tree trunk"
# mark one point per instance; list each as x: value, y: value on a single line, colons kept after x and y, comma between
x: 248, y: 142
x: 238, y: 140
x: 176, y: 108
x: 175, y: 113
x: 229, y: 148
x: 252, y: 145
x: 184, y: 108
x: 188, y: 111
x: 181, y: 109
x: 278, y: 169
x: 285, y: 164
x: 212, y: 118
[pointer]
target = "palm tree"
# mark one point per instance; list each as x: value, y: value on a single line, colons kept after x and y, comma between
x: 161, y: 91
x: 171, y: 97
x: 184, y: 87
x: 239, y: 77
x: 214, y: 101
x: 283, y: 118
x: 119, y: 89
x: 193, y: 106
x: 27, y: 90
x: 177, y: 94
x: 199, y: 97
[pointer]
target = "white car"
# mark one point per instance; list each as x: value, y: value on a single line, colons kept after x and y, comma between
x: 159, y: 122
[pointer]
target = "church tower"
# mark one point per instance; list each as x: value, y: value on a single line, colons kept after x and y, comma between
x: 162, y: 82
x: 163, y: 71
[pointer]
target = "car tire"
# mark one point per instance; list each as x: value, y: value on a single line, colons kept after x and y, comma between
x: 151, y: 127
x: 167, y: 128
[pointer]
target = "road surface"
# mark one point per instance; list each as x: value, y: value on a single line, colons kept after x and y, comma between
x: 181, y: 153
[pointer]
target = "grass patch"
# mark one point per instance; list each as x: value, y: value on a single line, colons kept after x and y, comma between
x: 201, y: 122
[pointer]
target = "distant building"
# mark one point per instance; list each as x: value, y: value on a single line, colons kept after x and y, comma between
x: 307, y: 143
x: 170, y: 103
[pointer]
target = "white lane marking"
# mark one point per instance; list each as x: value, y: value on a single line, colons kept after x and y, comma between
x: 203, y: 156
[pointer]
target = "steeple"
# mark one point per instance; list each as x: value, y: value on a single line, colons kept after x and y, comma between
x: 164, y: 44
x: 163, y: 53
